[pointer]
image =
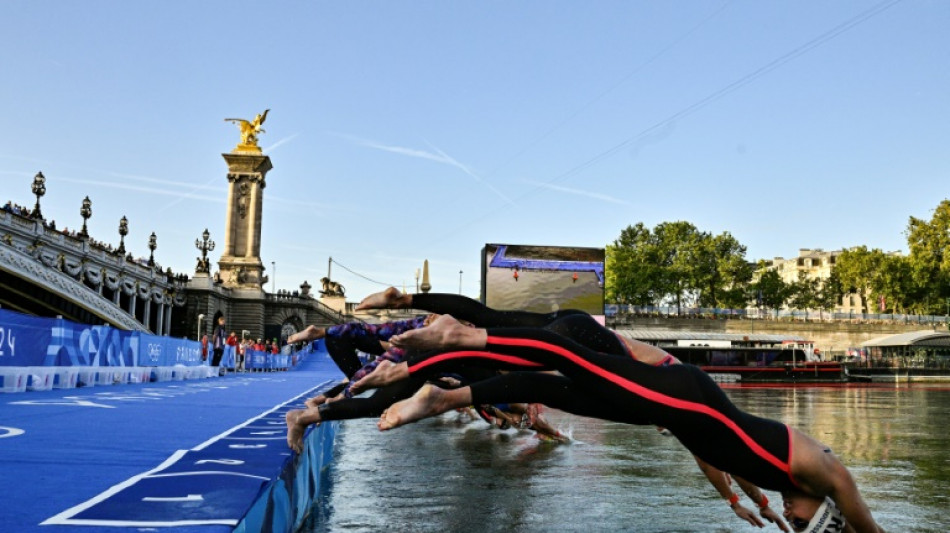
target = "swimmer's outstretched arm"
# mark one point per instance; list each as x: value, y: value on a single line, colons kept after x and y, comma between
x: 758, y: 497
x: 720, y: 481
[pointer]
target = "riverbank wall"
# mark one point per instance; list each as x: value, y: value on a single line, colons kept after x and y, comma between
x: 832, y: 338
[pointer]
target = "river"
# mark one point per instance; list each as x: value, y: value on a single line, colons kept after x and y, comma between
x: 450, y: 474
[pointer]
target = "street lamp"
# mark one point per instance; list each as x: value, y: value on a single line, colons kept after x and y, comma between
x: 39, y: 189
x: 152, y: 245
x: 85, y: 212
x: 205, y: 245
x: 198, y: 333
x: 273, y: 285
x: 123, y: 231
x: 460, y: 282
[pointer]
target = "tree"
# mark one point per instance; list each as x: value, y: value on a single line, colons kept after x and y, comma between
x: 769, y: 290
x: 857, y: 269
x: 677, y: 262
x: 634, y: 275
x: 929, y: 260
x: 830, y: 292
x: 803, y: 293
x: 722, y: 272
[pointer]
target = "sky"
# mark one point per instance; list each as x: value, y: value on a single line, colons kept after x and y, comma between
x: 403, y: 131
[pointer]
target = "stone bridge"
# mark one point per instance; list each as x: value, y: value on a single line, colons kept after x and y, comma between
x: 46, y: 272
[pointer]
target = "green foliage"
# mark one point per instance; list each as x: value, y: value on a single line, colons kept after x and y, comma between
x: 929, y: 259
x: 676, y: 263
x: 769, y: 290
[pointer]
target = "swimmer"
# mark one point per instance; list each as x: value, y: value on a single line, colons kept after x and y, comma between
x: 573, y: 324
x: 681, y: 398
x: 338, y: 403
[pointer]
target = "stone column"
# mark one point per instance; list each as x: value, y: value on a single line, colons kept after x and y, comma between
x: 253, y: 233
x: 160, y: 319
x: 229, y: 218
x: 148, y: 314
x: 168, y: 319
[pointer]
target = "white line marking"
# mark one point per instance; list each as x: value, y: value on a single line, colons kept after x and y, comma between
x: 189, y: 498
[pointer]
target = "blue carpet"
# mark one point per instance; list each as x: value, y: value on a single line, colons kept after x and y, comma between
x: 192, y: 455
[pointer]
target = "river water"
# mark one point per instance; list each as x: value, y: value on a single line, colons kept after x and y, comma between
x: 448, y: 474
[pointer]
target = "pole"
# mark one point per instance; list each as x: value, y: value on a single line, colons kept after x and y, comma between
x: 198, y: 332
x: 273, y: 285
x: 460, y: 282
x: 329, y: 265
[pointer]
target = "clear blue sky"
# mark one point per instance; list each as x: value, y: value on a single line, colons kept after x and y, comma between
x: 401, y: 131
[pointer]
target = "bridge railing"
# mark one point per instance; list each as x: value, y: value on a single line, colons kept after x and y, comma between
x: 622, y: 310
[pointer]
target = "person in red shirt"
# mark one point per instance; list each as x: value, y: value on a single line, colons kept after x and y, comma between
x: 204, y: 347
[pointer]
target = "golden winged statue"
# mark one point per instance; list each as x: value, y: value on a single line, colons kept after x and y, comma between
x: 249, y: 130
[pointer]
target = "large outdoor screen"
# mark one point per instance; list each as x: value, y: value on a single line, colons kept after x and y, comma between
x: 543, y: 278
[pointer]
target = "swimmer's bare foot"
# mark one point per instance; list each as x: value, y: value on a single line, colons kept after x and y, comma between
x: 444, y: 332
x: 428, y: 401
x: 557, y: 436
x: 294, y: 431
x: 390, y: 298
x: 385, y: 373
x: 311, y: 333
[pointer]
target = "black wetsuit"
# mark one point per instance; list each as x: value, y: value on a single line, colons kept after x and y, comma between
x: 681, y: 398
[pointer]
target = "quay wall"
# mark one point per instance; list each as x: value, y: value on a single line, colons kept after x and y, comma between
x: 832, y: 338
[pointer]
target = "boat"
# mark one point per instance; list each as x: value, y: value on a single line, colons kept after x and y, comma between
x: 743, y: 364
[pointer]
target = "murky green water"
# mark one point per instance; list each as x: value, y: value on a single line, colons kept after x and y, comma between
x: 450, y: 475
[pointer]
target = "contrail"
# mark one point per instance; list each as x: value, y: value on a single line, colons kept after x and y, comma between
x: 137, y: 188
x: 440, y: 157
x: 451, y: 161
x: 578, y: 192
x: 272, y: 147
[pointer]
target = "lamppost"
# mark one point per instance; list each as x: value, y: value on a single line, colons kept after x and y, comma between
x: 198, y: 333
x: 39, y: 189
x: 123, y: 231
x: 273, y: 284
x: 152, y: 245
x: 205, y: 245
x: 417, y: 281
x: 85, y: 212
x: 460, y: 282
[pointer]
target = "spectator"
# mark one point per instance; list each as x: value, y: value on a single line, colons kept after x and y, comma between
x: 219, y: 339
x: 204, y: 347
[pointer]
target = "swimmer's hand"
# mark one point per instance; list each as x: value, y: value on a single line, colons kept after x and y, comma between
x: 748, y: 515
x: 773, y: 517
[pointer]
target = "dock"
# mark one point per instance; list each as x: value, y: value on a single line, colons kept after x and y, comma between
x: 203, y: 455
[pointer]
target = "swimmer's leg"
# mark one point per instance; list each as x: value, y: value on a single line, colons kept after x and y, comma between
x: 311, y: 333
x: 387, y: 372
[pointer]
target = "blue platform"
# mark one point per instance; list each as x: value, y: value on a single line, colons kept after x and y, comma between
x: 198, y: 455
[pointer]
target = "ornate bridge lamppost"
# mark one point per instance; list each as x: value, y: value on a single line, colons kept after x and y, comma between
x: 205, y: 245
x: 85, y: 212
x: 123, y: 231
x: 152, y: 245
x: 39, y: 189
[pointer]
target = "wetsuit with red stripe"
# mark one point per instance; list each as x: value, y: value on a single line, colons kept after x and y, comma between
x: 681, y: 398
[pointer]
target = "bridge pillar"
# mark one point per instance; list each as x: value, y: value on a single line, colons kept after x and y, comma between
x: 240, y: 265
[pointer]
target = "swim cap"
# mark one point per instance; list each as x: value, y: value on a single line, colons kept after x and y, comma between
x: 827, y: 519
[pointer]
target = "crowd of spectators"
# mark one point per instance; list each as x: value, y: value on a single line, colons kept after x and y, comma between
x: 26, y: 212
